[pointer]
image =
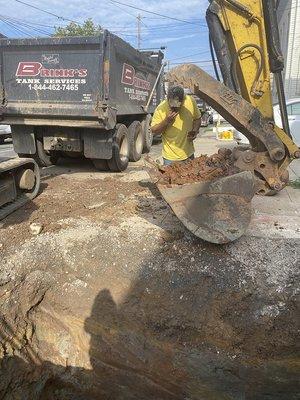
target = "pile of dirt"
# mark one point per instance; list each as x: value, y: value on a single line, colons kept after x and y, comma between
x: 203, y: 168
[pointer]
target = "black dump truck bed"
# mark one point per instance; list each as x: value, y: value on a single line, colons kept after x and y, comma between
x: 76, y: 78
x: 90, y: 96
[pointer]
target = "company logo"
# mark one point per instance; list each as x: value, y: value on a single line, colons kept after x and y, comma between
x: 129, y: 78
x: 50, y: 59
x: 37, y: 69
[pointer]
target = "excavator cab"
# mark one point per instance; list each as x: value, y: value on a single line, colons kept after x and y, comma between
x: 245, y: 38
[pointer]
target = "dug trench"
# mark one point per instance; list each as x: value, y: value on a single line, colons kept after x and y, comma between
x: 116, y: 300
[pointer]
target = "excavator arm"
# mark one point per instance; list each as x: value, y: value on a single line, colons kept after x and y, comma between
x: 246, y: 41
x: 245, y: 37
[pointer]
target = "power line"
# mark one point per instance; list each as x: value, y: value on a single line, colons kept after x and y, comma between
x: 193, y: 62
x: 29, y: 22
x: 47, y: 12
x: 152, y: 12
x: 23, y: 24
x: 125, y: 11
x: 158, y: 26
x: 123, y: 34
x: 16, y: 28
x: 190, y: 55
x: 157, y: 29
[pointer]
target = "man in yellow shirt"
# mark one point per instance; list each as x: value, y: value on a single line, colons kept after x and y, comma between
x: 178, y: 120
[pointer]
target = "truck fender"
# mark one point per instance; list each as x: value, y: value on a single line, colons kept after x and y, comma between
x: 23, y: 139
x: 98, y: 143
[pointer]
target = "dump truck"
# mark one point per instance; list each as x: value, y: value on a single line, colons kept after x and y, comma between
x: 79, y: 96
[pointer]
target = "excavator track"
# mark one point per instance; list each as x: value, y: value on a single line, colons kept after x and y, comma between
x: 19, y: 183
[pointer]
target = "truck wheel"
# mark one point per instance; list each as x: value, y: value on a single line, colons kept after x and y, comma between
x: 43, y: 157
x: 135, y: 139
x: 1, y: 140
x: 120, y: 150
x: 100, y: 165
x: 147, y: 134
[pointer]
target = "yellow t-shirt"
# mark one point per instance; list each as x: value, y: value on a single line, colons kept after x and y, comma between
x: 176, y: 146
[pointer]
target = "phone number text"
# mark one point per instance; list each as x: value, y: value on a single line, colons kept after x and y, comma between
x: 53, y: 86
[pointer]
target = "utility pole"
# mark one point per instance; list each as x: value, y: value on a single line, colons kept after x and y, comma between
x: 139, y: 28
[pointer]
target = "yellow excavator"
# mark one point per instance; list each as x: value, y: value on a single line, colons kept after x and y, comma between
x: 244, y: 35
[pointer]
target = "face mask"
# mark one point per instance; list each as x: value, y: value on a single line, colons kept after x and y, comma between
x: 174, y: 104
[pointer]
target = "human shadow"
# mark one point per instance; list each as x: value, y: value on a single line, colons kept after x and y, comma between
x: 174, y: 335
x: 120, y: 368
x: 136, y: 357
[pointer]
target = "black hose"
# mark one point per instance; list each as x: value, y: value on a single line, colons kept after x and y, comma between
x: 213, y: 58
x: 259, y: 70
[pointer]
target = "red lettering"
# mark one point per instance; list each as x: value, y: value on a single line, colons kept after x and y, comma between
x: 28, y: 68
x: 45, y: 72
x: 129, y: 78
x: 128, y: 74
x: 36, y: 68
x: 69, y: 73
x: 82, y: 73
x: 141, y: 83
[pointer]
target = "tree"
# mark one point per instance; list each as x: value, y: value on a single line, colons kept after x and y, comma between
x: 88, y: 28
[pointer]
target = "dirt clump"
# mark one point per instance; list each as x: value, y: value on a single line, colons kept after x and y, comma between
x: 201, y: 169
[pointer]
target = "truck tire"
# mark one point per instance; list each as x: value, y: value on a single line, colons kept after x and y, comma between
x: 135, y: 139
x: 2, y: 140
x: 120, y: 150
x: 147, y: 133
x: 100, y: 165
x: 41, y: 157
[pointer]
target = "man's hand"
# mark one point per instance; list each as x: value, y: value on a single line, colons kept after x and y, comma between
x: 163, y: 125
x: 171, y: 117
x: 192, y: 135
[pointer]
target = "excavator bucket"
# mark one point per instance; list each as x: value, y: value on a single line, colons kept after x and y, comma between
x: 217, y: 211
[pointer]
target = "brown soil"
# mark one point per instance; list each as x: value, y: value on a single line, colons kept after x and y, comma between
x: 116, y: 300
x: 203, y: 168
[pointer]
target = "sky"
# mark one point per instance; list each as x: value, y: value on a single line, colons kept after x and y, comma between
x: 185, y: 40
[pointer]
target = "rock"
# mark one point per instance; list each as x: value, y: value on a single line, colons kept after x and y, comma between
x: 94, y: 206
x: 36, y: 228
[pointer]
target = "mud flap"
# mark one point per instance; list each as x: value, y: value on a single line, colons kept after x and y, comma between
x: 98, y: 144
x: 218, y: 211
x: 23, y: 139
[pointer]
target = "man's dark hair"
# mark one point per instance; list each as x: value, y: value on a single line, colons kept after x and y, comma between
x: 176, y: 92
